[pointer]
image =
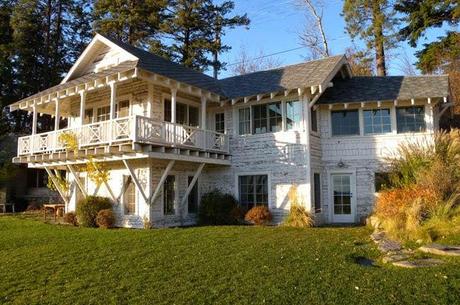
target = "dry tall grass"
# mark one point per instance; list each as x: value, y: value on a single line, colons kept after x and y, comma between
x: 422, y: 200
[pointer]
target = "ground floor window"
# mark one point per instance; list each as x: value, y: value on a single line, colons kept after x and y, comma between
x: 317, y: 192
x: 193, y: 197
x: 129, y: 196
x: 36, y: 178
x: 169, y: 195
x: 381, y: 181
x: 253, y: 190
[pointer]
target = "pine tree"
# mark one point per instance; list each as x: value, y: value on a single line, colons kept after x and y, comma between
x: 373, y: 21
x: 187, y: 29
x: 136, y: 22
x: 218, y: 23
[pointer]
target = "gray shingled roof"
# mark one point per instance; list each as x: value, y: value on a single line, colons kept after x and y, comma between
x: 380, y: 88
x: 311, y: 73
x: 159, y: 65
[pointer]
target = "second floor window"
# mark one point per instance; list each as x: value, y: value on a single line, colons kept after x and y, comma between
x: 103, y: 114
x: 293, y: 114
x: 185, y: 114
x: 244, y: 116
x: 410, y: 119
x: 345, y: 122
x: 377, y: 121
x: 220, y: 122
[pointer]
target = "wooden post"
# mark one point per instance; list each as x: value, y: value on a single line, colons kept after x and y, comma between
x: 203, y: 112
x: 34, y: 120
x: 82, y: 107
x: 113, y: 102
x: 57, y: 115
x: 173, y: 105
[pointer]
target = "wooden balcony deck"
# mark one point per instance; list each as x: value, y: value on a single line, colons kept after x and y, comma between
x: 129, y: 135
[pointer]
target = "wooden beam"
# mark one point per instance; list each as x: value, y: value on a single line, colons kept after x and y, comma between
x: 136, y: 181
x: 259, y: 97
x: 246, y: 100
x: 444, y: 99
x: 157, y: 191
x: 429, y: 100
x: 77, y: 180
x: 192, y: 184
x: 412, y: 101
x: 395, y: 102
x: 56, y: 185
x: 379, y: 104
x: 272, y: 95
x: 234, y: 101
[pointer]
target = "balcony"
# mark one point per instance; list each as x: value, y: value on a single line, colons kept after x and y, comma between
x: 128, y: 131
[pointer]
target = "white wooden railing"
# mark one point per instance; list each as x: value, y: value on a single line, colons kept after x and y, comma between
x: 138, y: 129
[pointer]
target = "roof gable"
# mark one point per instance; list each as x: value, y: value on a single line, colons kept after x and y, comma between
x: 99, y: 55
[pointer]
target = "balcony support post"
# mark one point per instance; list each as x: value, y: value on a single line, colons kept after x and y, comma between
x: 82, y: 107
x: 173, y: 105
x: 57, y: 114
x: 203, y: 112
x: 113, y: 102
x: 34, y: 120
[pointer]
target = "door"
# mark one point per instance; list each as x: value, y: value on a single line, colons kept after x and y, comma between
x: 343, y: 198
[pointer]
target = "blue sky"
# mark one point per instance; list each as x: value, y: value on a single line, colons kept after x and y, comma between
x: 276, y: 24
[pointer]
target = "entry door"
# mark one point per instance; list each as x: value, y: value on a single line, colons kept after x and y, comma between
x: 343, y: 200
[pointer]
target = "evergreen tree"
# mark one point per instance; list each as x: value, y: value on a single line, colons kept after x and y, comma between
x: 136, y: 22
x: 373, y: 21
x: 218, y: 23
x: 187, y: 30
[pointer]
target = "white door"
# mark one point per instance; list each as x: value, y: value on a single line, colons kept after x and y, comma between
x: 343, y: 198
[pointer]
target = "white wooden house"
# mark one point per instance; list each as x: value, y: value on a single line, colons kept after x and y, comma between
x: 169, y: 134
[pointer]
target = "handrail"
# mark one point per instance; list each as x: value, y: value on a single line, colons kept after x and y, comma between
x: 138, y: 129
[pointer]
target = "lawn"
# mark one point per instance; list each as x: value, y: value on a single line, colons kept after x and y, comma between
x: 57, y: 264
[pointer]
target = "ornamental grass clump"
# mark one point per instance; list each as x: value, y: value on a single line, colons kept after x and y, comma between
x: 422, y: 200
x: 298, y: 216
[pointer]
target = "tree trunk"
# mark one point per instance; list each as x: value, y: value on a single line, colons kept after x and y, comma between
x: 379, y: 39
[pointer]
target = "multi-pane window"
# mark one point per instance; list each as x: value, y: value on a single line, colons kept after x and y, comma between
x: 293, y: 114
x: 185, y: 114
x: 410, y: 119
x: 193, y: 197
x: 275, y: 117
x: 345, y: 122
x: 36, y: 178
x: 89, y: 116
x: 377, y: 121
x: 169, y: 195
x: 317, y: 192
x: 314, y: 120
x: 103, y: 114
x: 253, y: 190
x: 129, y: 196
x: 259, y: 118
x: 244, y: 119
x: 122, y: 109
x: 220, y: 122
x: 381, y: 181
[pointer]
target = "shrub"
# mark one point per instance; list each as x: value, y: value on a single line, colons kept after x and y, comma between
x: 71, y: 218
x: 298, y: 216
x: 217, y: 208
x: 88, y: 208
x: 259, y: 215
x: 105, y: 219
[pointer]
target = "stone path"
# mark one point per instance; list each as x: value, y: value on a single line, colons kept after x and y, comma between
x: 438, y: 249
x: 418, y: 263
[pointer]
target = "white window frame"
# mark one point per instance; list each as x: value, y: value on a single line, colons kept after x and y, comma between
x: 136, y: 196
x: 167, y: 96
x: 282, y: 100
x: 269, y: 186
x: 101, y: 104
x: 176, y: 196
x: 364, y: 124
x: 425, y: 117
x: 214, y: 121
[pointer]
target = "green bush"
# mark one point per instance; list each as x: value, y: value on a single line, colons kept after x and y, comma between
x: 105, y: 219
x: 88, y: 208
x: 217, y: 208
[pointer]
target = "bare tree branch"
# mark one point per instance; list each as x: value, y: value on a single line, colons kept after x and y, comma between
x: 314, y: 35
x: 248, y: 64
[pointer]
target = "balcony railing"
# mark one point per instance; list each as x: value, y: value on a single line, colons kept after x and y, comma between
x: 137, y: 129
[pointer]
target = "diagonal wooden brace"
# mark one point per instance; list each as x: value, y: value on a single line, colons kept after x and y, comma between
x: 77, y: 180
x: 157, y: 191
x: 192, y: 184
x: 56, y: 185
x: 135, y: 179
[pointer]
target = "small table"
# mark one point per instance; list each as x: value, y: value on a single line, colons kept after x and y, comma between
x: 54, y: 207
x: 4, y: 205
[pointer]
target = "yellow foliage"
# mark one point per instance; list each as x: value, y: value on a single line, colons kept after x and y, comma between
x: 69, y: 140
x: 63, y: 184
x: 97, y: 172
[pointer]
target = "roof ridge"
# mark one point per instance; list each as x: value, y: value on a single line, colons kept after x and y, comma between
x: 284, y: 67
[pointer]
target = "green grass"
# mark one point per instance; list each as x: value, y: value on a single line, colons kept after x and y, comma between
x: 56, y: 264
